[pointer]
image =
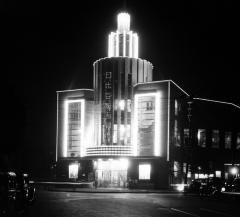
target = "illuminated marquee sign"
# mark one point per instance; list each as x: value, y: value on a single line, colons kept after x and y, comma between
x: 107, y: 108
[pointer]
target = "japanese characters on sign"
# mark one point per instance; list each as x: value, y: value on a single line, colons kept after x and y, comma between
x: 107, y: 108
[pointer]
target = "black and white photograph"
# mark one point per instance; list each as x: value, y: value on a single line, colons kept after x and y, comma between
x: 120, y: 108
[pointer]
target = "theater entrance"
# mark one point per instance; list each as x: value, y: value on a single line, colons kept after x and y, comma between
x: 111, y: 173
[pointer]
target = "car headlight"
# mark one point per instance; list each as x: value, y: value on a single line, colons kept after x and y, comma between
x: 180, y: 187
x: 223, y: 189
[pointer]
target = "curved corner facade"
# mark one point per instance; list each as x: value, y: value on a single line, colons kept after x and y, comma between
x: 113, y: 96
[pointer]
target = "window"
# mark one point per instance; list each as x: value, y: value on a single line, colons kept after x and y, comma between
x: 215, y: 139
x: 238, y: 141
x: 124, y: 132
x: 115, y: 133
x: 228, y: 140
x: 176, y: 168
x: 129, y: 105
x: 73, y: 171
x: 149, y: 106
x: 74, y: 118
x: 186, y: 137
x: 177, y: 137
x: 144, y: 171
x: 121, y: 104
x: 218, y: 174
x: 176, y: 107
x: 201, y: 138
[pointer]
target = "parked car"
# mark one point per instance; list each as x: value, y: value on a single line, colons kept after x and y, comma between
x: 25, y: 191
x: 16, y: 193
x: 236, y: 185
x: 212, y: 187
x: 7, y: 192
x: 227, y: 185
x: 195, y: 185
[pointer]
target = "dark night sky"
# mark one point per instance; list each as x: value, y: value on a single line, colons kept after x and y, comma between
x: 49, y: 47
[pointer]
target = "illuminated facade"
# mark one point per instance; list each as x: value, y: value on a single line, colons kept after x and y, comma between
x: 128, y: 130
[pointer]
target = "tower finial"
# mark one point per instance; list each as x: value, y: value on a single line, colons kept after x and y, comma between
x: 123, y: 42
x: 123, y: 22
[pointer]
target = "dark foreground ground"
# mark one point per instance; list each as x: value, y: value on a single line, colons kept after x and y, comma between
x: 76, y: 204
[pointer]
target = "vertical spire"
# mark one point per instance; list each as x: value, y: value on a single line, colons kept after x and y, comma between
x: 123, y: 22
x: 123, y: 42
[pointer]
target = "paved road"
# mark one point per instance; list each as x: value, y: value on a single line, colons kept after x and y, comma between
x: 65, y: 204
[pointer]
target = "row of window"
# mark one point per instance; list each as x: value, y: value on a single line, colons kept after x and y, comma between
x: 215, y: 139
x: 202, y: 138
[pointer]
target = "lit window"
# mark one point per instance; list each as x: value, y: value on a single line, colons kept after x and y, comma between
x: 215, y: 138
x: 228, y: 140
x: 122, y: 104
x: 129, y: 105
x: 201, y: 137
x: 218, y: 174
x: 149, y: 106
x: 115, y: 133
x: 176, y: 107
x: 122, y: 134
x: 73, y: 171
x: 238, y: 141
x: 176, y: 168
x: 177, y: 137
x: 144, y: 171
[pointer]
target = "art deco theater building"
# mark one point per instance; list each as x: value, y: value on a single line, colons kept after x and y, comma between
x: 125, y: 131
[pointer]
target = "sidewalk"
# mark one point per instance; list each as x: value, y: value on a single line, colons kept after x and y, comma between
x: 88, y: 187
x: 232, y: 193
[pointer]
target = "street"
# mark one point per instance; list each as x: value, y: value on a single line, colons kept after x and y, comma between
x: 75, y: 204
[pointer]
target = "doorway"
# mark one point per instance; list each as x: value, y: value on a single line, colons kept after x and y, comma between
x: 112, y: 173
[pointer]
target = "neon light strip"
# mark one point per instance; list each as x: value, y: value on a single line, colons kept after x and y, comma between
x: 109, y: 154
x: 109, y: 47
x: 179, y: 88
x: 135, y: 125
x: 111, y: 146
x: 74, y: 90
x: 135, y: 52
x: 130, y: 44
x: 110, y: 44
x: 57, y: 128
x: 157, y: 125
x: 162, y: 81
x: 65, y: 133
x: 117, y: 44
x: 82, y: 148
x: 216, y: 101
x: 168, y: 122
x: 65, y: 143
x: 157, y: 142
x: 124, y: 43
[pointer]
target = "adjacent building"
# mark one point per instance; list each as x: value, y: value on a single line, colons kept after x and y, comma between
x: 131, y: 131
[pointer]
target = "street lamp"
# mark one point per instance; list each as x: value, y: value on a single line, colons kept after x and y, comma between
x: 234, y: 171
